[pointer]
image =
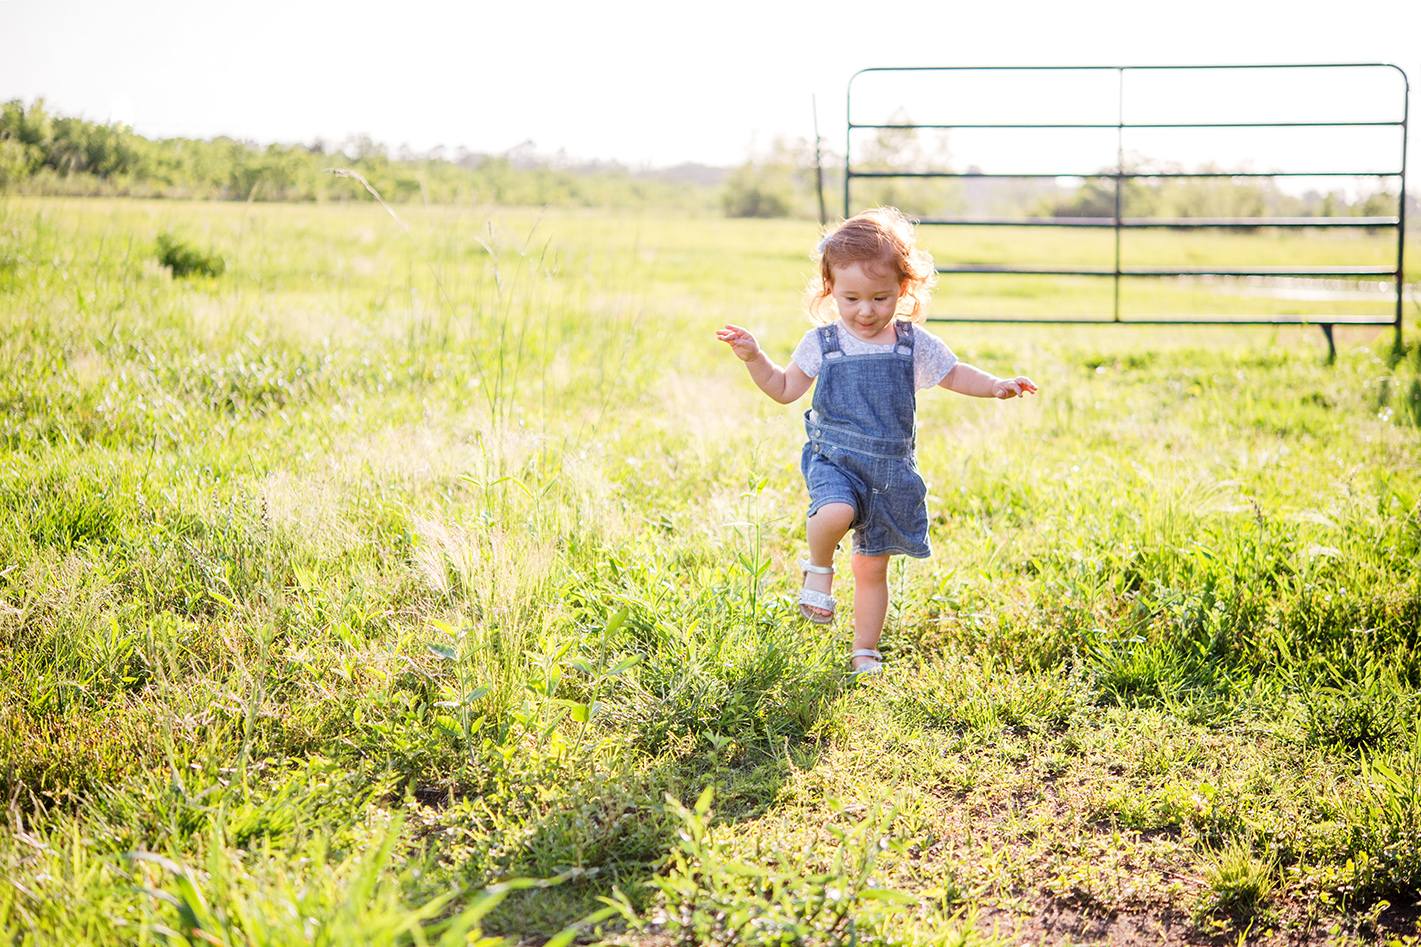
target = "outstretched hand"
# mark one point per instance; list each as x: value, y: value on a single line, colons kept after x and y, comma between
x: 741, y: 342
x: 1013, y: 387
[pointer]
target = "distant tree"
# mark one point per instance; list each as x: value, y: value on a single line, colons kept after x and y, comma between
x: 32, y: 126
x: 1094, y: 198
x: 101, y: 150
x: 1170, y: 196
x: 778, y: 183
x: 15, y: 163
x: 1379, y: 204
x: 759, y: 190
x: 25, y: 136
x: 907, y: 149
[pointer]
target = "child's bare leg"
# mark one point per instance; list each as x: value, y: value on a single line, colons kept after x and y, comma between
x: 826, y: 527
x: 870, y: 602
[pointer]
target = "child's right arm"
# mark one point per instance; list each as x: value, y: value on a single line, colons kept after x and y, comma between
x: 782, y: 384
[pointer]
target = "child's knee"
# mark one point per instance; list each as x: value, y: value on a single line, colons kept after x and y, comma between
x: 834, y: 514
x: 870, y: 568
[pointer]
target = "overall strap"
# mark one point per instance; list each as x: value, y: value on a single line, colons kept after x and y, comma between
x: 828, y: 341
x: 904, y: 333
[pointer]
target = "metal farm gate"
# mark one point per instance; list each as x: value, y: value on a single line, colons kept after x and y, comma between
x: 1162, y: 97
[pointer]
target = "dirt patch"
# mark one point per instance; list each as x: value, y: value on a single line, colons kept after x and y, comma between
x: 1061, y: 924
x: 1055, y: 922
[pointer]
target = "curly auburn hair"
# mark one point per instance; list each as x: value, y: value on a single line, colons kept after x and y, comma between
x: 882, y: 237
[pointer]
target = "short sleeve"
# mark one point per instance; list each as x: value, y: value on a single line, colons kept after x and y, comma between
x: 932, y: 359
x: 807, y: 355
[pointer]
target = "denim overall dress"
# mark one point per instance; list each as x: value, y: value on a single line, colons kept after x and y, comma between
x: 861, y: 448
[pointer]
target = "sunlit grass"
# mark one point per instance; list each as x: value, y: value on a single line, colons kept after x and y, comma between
x: 350, y: 587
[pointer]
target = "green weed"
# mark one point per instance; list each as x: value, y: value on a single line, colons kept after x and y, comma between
x: 186, y: 260
x: 1238, y: 885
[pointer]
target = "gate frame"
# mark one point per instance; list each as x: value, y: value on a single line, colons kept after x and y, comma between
x: 1119, y: 223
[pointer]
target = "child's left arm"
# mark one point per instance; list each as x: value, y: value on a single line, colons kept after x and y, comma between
x: 970, y: 380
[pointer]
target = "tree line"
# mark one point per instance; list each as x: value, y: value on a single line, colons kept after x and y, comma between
x: 43, y: 153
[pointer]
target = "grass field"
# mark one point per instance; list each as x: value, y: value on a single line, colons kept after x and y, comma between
x: 344, y: 605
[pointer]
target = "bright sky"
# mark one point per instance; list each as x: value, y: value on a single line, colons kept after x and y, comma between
x: 644, y: 83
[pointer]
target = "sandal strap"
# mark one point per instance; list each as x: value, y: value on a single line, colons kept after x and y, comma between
x: 864, y: 653
x: 816, y: 599
x: 806, y: 566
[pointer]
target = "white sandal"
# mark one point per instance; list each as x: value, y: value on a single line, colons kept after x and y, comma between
x: 809, y: 598
x: 873, y: 667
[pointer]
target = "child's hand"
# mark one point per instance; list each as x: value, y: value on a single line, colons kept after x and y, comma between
x: 1012, y: 387
x: 741, y: 342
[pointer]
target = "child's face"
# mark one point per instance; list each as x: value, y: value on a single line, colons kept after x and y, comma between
x: 867, y: 298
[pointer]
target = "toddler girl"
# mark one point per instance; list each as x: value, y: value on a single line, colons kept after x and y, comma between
x: 870, y: 362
